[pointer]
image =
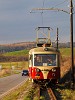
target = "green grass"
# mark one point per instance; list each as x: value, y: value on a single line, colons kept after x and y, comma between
x: 63, y: 93
x: 66, y: 51
x: 68, y: 94
x: 17, y: 53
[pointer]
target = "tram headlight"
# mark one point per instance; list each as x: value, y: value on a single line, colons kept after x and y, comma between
x: 53, y: 70
x: 46, y: 49
x: 37, y: 70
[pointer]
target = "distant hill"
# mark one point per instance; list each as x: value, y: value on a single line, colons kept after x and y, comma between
x: 16, y: 46
x: 26, y: 45
x: 63, y: 45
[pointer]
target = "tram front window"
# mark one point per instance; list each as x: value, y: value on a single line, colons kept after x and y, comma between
x: 45, y: 60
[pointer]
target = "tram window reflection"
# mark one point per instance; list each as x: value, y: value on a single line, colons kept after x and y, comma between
x: 45, y: 60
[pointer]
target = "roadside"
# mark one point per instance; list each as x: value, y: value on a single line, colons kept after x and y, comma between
x: 19, y: 93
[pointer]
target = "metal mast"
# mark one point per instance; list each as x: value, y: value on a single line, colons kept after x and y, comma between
x: 57, y: 38
x: 71, y: 43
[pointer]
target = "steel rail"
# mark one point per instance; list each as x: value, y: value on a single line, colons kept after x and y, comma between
x: 51, y: 93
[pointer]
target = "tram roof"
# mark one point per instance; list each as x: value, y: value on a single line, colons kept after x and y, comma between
x: 41, y: 49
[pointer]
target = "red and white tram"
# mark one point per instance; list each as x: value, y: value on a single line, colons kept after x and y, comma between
x: 44, y: 64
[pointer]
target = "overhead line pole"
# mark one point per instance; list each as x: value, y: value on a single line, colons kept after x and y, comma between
x: 57, y: 38
x: 71, y: 35
x: 71, y: 44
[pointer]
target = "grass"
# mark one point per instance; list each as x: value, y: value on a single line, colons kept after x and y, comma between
x: 15, y: 94
x: 32, y: 94
x: 63, y: 92
x: 66, y: 51
x: 8, y: 72
x: 17, y: 53
x: 68, y: 94
x: 25, y: 92
x: 17, y: 65
x: 8, y: 69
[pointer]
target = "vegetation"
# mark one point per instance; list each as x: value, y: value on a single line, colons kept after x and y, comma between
x: 64, y: 93
x: 16, y: 46
x: 66, y: 52
x: 9, y: 68
x: 17, y: 65
x: 14, y: 56
x: 23, y: 55
x: 17, y: 53
x: 25, y: 92
x: 19, y: 92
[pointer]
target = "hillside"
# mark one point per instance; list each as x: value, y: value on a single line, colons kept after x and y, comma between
x: 16, y: 46
x: 14, y: 56
x: 26, y: 45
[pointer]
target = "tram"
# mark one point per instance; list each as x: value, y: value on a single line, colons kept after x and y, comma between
x: 44, y: 62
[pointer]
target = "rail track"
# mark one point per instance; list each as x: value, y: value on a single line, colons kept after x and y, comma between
x: 45, y: 93
x: 52, y: 95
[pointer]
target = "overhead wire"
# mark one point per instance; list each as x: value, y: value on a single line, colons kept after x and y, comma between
x: 60, y: 3
x: 52, y: 7
x: 42, y: 13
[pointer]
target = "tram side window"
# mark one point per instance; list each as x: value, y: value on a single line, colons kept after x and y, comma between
x: 31, y: 60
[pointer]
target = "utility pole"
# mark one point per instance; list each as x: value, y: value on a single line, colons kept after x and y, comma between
x: 71, y: 37
x: 71, y: 44
x: 57, y: 39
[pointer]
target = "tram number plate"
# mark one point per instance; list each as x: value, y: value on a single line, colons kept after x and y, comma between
x: 45, y: 72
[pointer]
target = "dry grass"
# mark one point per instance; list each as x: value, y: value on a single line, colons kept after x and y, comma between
x: 5, y: 72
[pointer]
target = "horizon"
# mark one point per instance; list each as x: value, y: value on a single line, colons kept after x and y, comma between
x: 25, y: 42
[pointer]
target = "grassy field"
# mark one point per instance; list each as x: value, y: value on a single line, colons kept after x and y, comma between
x: 17, y: 65
x: 63, y: 92
x: 9, y: 68
x: 24, y: 64
x: 66, y: 51
x: 6, y: 67
x: 17, y: 53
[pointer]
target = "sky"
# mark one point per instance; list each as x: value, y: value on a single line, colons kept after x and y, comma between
x: 17, y: 24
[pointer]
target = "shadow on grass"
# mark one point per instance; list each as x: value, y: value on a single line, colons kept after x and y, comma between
x: 68, y: 79
x: 66, y: 82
